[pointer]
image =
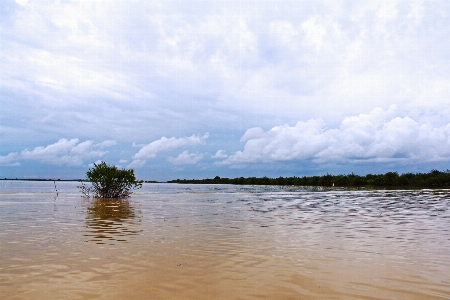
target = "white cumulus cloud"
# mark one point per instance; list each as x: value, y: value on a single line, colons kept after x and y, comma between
x: 379, y: 136
x: 220, y: 154
x: 63, y: 152
x: 165, y: 144
x: 185, y: 158
x: 9, y: 160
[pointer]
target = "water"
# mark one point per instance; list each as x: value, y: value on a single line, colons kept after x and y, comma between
x: 173, y: 241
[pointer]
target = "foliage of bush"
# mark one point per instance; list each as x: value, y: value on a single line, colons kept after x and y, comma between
x: 109, y: 182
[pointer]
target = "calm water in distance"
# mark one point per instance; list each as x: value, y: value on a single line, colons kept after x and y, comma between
x: 172, y: 241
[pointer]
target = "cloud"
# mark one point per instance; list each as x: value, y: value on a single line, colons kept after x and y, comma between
x: 107, y: 143
x: 22, y: 2
x: 91, y: 165
x: 165, y: 144
x: 10, y: 160
x: 220, y: 154
x: 379, y: 136
x: 63, y: 152
x: 315, y: 33
x: 162, y: 68
x: 185, y: 158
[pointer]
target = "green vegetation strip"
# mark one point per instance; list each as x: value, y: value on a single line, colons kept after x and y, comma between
x: 432, y: 179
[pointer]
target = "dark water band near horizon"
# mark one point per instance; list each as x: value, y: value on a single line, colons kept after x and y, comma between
x: 170, y: 241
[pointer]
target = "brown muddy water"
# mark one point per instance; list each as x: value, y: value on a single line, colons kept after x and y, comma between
x: 223, y: 242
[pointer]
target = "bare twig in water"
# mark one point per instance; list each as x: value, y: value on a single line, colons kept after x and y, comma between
x: 86, y: 190
x: 54, y: 182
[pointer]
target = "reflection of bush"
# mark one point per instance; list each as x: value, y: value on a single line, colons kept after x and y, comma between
x: 110, y: 209
x: 111, y: 219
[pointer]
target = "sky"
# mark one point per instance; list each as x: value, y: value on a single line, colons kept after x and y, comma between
x: 198, y: 89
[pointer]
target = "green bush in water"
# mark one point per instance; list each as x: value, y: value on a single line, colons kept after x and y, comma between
x: 109, y: 182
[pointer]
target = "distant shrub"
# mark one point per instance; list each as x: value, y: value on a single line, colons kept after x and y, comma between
x: 109, y: 182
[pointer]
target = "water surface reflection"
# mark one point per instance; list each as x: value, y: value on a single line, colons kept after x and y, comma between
x: 224, y: 242
x: 111, y: 220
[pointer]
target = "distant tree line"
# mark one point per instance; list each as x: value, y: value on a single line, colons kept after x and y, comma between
x: 432, y: 179
x: 38, y: 179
